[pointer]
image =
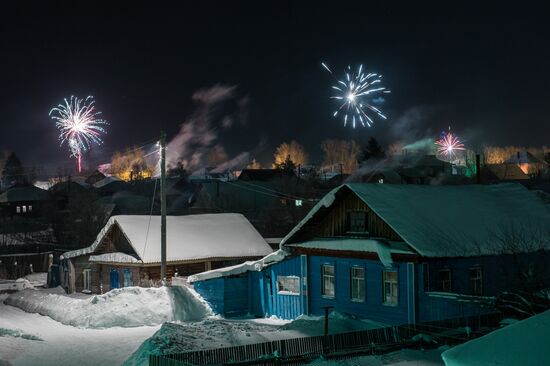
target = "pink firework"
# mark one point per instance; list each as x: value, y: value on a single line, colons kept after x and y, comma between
x: 79, y: 125
x: 448, y: 144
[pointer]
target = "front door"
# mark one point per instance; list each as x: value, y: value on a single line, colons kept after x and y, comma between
x: 114, y: 278
x: 127, y: 277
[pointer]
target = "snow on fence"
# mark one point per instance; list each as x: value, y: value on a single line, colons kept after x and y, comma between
x: 298, y: 351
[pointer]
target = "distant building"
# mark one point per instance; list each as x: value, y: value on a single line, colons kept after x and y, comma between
x: 504, y: 172
x: 396, y: 254
x: 23, y: 200
x: 527, y: 162
x: 265, y: 175
x: 94, y: 177
x: 127, y: 250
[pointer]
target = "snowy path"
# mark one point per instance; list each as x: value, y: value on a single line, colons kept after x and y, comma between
x: 62, y: 344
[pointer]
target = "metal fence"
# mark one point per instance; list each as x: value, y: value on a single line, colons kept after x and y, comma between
x: 298, y: 351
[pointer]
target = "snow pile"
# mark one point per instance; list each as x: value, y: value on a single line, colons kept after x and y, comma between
x: 210, y: 333
x: 521, y: 343
x: 306, y: 325
x: 125, y: 307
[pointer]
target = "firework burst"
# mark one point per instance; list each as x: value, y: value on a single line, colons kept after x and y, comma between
x: 79, y: 125
x: 358, y: 92
x: 448, y: 144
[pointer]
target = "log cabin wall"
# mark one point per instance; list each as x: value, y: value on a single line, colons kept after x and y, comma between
x: 80, y: 264
x: 335, y: 221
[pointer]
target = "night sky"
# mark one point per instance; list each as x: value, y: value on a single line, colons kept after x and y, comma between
x: 484, y: 71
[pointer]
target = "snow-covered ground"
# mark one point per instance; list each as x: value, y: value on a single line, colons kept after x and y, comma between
x: 404, y: 357
x: 124, y: 325
x: 48, y: 327
x: 217, y: 332
x: 33, y: 339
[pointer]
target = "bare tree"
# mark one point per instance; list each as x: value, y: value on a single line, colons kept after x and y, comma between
x: 341, y: 154
x: 254, y: 164
x: 293, y: 151
x: 130, y: 165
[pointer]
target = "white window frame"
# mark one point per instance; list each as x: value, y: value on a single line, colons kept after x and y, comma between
x: 29, y: 208
x: 357, y: 284
x: 478, y: 277
x: 445, y: 285
x: 328, y: 292
x: 288, y: 285
x: 18, y: 209
x: 24, y: 208
x: 390, y: 288
x: 87, y: 279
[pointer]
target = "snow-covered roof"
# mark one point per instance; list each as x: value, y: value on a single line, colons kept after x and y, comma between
x: 115, y: 257
x: 443, y: 221
x: 191, y: 237
x: 257, y: 265
x: 522, y: 343
x: 107, y: 180
x: 382, y: 248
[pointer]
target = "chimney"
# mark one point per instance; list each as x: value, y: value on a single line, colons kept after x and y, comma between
x: 478, y: 169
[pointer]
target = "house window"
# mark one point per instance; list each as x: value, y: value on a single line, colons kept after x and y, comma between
x: 426, y: 277
x: 357, y: 222
x: 288, y: 285
x: 390, y: 288
x: 18, y: 209
x: 127, y: 278
x: 357, y: 281
x: 30, y: 208
x: 24, y: 208
x: 444, y: 280
x: 476, y: 281
x: 87, y: 280
x: 327, y: 271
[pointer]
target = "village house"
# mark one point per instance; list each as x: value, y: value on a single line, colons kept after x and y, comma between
x: 127, y: 250
x: 26, y: 200
x: 527, y: 162
x: 396, y: 254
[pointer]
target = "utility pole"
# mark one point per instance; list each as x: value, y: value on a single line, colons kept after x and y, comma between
x: 163, y: 208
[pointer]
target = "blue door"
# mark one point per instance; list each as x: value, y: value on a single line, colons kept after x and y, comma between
x: 114, y: 278
x: 127, y: 278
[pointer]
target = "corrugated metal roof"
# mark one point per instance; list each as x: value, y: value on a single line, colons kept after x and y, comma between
x: 446, y: 221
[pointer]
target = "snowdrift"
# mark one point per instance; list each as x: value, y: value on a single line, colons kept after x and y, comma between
x: 125, y: 307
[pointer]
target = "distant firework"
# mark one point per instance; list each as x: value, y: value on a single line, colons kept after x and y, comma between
x: 79, y: 125
x: 448, y: 144
x: 358, y: 92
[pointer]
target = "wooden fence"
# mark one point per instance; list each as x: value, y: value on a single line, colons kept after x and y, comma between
x: 298, y: 351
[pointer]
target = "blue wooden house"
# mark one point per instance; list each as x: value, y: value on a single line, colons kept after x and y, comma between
x: 395, y: 254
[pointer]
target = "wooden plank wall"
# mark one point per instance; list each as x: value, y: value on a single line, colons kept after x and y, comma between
x: 334, y: 223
